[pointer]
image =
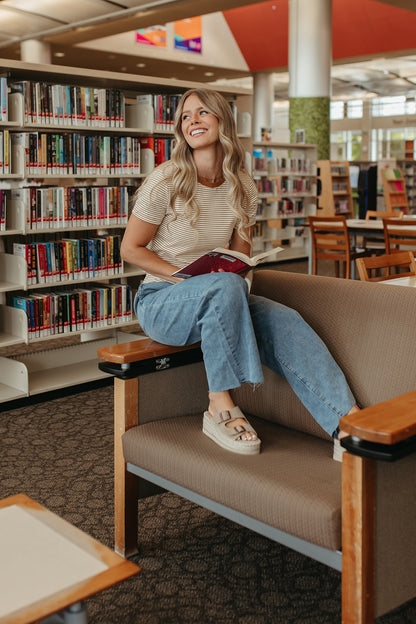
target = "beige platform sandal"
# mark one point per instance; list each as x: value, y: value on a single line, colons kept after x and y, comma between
x: 229, y: 437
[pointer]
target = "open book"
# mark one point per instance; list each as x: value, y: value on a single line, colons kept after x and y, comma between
x: 224, y: 260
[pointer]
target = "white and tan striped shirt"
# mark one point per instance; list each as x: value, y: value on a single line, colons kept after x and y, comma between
x: 176, y: 240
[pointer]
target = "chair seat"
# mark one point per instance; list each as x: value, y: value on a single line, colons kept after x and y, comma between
x: 295, y: 484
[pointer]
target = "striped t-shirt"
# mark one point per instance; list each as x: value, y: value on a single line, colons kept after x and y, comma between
x: 176, y: 240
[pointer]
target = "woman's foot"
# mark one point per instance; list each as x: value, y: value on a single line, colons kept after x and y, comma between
x: 231, y: 430
x: 222, y: 402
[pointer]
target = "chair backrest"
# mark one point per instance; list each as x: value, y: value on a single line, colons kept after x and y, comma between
x: 399, y: 260
x: 330, y: 241
x: 378, y: 214
x: 399, y: 234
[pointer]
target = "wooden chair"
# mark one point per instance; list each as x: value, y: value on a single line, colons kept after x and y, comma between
x: 331, y: 241
x: 400, y: 234
x: 398, y: 260
x: 372, y: 245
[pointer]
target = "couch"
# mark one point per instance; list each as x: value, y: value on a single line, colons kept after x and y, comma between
x: 357, y: 516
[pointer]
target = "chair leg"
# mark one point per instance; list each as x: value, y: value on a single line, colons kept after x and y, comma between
x: 125, y: 483
x: 358, y: 528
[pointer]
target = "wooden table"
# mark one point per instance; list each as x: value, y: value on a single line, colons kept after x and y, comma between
x: 400, y: 281
x: 47, y: 565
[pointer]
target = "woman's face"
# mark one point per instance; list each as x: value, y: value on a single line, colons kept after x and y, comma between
x: 199, y: 126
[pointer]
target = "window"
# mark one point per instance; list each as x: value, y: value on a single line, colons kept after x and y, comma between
x: 389, y: 106
x: 337, y: 110
x: 355, y: 109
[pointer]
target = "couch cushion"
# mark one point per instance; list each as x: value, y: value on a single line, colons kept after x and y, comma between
x: 293, y: 484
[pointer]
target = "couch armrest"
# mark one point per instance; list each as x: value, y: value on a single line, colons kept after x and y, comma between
x: 385, y: 431
x: 132, y: 359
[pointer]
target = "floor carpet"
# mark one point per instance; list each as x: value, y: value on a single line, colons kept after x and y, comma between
x: 196, y: 566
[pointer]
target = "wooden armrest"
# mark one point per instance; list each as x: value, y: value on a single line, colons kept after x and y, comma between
x: 386, y: 423
x: 138, y: 350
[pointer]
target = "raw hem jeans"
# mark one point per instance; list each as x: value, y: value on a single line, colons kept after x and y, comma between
x: 238, y: 333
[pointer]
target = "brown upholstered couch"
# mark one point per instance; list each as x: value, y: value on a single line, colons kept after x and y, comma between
x: 359, y: 515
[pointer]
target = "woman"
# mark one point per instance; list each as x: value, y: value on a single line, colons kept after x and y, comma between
x: 201, y: 199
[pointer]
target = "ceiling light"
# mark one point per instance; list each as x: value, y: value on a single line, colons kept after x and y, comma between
x: 140, y: 64
x: 59, y: 54
x: 209, y: 73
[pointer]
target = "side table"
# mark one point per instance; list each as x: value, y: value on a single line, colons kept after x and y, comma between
x: 48, y: 566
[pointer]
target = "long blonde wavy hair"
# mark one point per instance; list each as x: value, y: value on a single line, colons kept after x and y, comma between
x: 184, y: 173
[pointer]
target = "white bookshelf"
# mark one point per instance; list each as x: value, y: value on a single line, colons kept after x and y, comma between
x: 285, y: 175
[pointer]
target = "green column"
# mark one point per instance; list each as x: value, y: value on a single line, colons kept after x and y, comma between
x: 311, y: 114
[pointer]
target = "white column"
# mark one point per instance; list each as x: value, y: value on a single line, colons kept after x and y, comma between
x: 263, y: 98
x: 34, y: 51
x: 310, y: 48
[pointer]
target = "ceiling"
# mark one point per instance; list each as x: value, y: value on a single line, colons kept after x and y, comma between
x: 68, y: 24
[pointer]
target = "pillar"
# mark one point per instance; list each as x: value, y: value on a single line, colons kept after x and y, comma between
x: 310, y: 60
x: 263, y: 98
x: 34, y: 51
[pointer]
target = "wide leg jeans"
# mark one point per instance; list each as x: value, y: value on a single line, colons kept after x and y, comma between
x: 239, y: 332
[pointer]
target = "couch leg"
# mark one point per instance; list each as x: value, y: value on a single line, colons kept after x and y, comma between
x: 358, y: 513
x: 125, y: 484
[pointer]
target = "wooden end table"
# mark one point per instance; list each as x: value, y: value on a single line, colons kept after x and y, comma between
x: 49, y: 566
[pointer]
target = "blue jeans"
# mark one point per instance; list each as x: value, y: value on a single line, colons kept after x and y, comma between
x: 238, y: 333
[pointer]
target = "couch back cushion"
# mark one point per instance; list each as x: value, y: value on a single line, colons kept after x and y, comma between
x: 370, y: 329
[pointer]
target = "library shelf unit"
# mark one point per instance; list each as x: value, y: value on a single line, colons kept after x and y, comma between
x: 394, y: 188
x: 335, y: 196
x: 92, y: 163
x: 285, y: 174
x: 408, y: 169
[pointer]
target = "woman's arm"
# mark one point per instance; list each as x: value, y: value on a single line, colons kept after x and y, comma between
x: 239, y: 244
x: 133, y: 249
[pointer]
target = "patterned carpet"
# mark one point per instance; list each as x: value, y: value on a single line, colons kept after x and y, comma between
x: 196, y: 567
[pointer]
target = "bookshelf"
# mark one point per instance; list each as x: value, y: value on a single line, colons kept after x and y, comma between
x: 78, y: 143
x: 336, y: 196
x: 285, y: 175
x: 394, y: 188
x: 408, y: 169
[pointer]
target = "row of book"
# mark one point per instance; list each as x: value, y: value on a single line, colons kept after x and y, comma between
x: 5, y: 148
x: 289, y: 207
x: 67, y: 105
x: 339, y: 170
x: 278, y: 186
x: 59, y: 206
x: 342, y: 206
x: 273, y: 165
x: 70, y: 259
x: 3, y: 210
x: 77, y: 154
x: 340, y: 187
x: 79, y: 309
x: 161, y: 148
x: 164, y: 107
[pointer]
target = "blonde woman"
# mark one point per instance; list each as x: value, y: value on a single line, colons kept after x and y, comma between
x: 201, y: 199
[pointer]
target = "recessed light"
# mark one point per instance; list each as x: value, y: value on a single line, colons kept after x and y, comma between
x: 59, y: 54
x: 209, y: 73
x: 140, y: 64
x: 123, y: 68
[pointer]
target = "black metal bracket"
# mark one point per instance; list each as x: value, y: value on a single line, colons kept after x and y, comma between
x: 152, y: 364
x: 380, y: 452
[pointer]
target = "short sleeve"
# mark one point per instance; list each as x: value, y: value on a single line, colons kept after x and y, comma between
x: 152, y: 198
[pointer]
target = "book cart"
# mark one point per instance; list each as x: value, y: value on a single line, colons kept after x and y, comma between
x: 74, y: 145
x: 285, y: 175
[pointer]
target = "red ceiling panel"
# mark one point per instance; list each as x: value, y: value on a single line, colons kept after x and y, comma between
x: 360, y: 28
